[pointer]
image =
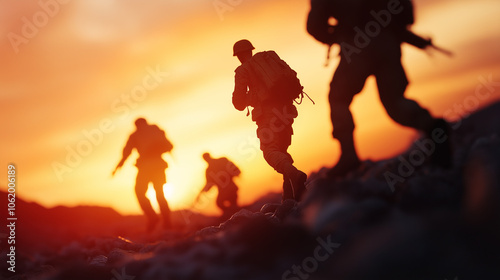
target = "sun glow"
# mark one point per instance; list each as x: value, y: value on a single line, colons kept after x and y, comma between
x: 168, y: 191
x: 193, y: 102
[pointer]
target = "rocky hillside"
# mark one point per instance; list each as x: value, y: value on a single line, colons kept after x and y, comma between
x: 400, y: 218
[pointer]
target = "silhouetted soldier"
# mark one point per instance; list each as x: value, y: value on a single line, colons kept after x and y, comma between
x: 370, y: 33
x: 150, y: 142
x: 258, y: 84
x: 220, y: 172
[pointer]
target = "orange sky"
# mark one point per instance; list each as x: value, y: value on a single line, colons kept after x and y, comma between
x: 85, y: 68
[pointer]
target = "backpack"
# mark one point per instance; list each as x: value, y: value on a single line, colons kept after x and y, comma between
x: 278, y: 82
x: 230, y: 167
x: 158, y: 142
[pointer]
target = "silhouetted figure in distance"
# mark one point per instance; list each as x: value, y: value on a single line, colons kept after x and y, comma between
x: 274, y: 112
x: 150, y: 142
x: 370, y: 33
x: 220, y: 172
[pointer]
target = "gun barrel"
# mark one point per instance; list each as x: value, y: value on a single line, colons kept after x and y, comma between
x: 444, y: 51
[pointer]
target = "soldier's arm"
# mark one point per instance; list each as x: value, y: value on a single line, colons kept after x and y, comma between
x: 127, y: 150
x: 210, y: 183
x: 240, y: 96
x: 206, y: 188
x: 317, y: 22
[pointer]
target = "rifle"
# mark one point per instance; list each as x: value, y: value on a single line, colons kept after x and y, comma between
x: 413, y: 39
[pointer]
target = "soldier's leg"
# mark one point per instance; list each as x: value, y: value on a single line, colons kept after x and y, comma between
x: 348, y: 80
x: 392, y: 82
x: 158, y: 182
x: 220, y: 202
x: 233, y: 198
x: 231, y: 194
x: 274, y: 145
x: 141, y: 187
x: 226, y: 203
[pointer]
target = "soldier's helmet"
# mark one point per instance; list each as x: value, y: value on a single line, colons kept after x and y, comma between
x: 242, y: 45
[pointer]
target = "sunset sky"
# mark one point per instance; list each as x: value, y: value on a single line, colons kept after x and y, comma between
x: 76, y: 74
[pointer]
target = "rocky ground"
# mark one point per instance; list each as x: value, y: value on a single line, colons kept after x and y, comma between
x: 400, y: 218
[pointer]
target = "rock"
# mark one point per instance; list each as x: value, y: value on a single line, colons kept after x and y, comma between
x: 208, y: 231
x: 482, y: 182
x: 99, y: 261
x: 118, y: 255
x: 269, y: 207
x: 285, y: 209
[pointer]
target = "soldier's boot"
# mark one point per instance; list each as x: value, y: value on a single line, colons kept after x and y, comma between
x: 298, y: 181
x: 348, y: 161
